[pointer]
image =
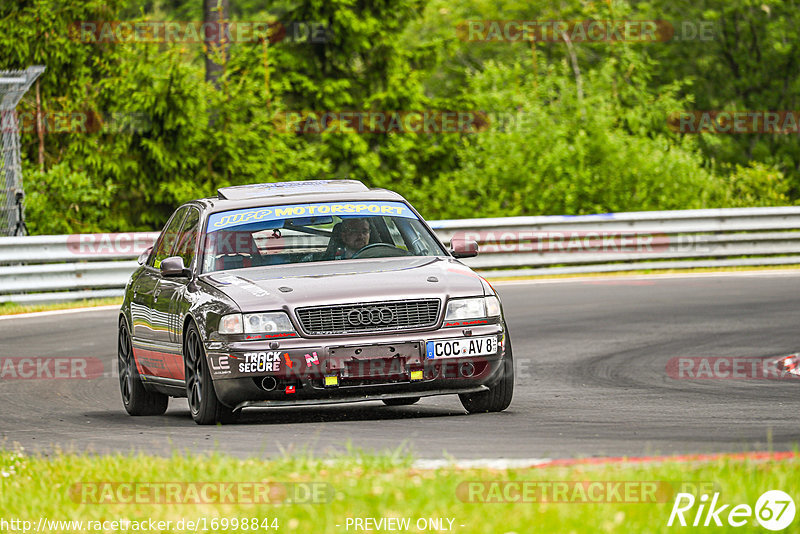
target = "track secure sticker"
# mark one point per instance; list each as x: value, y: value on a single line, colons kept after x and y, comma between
x: 261, y: 362
x: 227, y: 219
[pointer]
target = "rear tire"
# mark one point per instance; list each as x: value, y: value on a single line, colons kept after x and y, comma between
x: 499, y: 395
x: 203, y: 402
x: 401, y: 402
x: 136, y: 399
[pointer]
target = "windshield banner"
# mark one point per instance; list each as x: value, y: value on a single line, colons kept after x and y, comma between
x: 227, y: 219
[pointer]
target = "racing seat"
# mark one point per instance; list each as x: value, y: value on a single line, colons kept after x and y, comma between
x: 335, y: 243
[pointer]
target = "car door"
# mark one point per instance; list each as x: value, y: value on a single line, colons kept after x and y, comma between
x: 147, y: 322
x: 170, y: 299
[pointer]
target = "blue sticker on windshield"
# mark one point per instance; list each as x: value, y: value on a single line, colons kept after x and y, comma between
x: 226, y: 219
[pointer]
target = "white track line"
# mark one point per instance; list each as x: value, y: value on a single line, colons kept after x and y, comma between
x: 482, y: 463
x: 670, y: 276
x: 58, y: 312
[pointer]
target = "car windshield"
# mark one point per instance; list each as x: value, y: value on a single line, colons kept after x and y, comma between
x: 325, y: 231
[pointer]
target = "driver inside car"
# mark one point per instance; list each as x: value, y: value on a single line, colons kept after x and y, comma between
x: 354, y: 236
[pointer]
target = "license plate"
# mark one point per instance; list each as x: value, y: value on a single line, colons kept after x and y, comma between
x: 461, y: 347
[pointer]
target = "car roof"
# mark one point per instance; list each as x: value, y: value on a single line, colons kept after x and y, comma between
x: 242, y: 192
x: 276, y: 194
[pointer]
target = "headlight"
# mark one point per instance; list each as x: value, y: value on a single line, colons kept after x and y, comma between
x: 492, y: 307
x: 275, y: 322
x: 231, y: 324
x: 474, y: 308
x: 256, y: 323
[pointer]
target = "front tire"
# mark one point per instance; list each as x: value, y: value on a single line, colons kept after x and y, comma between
x: 136, y: 399
x: 499, y: 395
x: 203, y: 402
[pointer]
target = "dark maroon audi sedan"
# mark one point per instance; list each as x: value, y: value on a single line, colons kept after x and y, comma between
x: 302, y: 293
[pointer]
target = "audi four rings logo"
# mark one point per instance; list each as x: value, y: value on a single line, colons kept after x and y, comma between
x: 370, y: 316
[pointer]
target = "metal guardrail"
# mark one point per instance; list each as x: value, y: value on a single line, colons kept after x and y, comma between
x: 52, y: 268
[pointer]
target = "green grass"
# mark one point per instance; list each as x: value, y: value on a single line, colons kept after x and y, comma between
x: 10, y: 308
x: 364, y: 485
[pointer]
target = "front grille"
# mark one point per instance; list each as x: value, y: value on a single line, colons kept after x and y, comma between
x: 369, y: 317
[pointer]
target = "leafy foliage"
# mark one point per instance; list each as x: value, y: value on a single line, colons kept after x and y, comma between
x: 578, y: 128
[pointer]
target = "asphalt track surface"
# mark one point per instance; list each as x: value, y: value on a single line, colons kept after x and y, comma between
x: 591, y: 381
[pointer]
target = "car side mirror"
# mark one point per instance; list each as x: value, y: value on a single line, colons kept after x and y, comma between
x: 173, y: 266
x: 463, y: 248
x: 144, y: 256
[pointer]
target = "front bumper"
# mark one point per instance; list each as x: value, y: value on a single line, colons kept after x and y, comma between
x: 302, y: 371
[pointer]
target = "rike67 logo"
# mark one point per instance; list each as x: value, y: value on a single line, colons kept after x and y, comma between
x: 774, y: 510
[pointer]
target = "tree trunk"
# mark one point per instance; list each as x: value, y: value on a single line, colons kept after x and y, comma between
x: 39, y: 126
x: 216, y: 41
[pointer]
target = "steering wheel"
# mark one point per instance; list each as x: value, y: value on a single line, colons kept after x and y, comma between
x: 390, y: 251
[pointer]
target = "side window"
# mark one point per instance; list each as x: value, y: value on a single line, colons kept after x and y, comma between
x: 187, y: 241
x: 167, y: 238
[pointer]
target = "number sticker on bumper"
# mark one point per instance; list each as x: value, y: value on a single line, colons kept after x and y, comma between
x: 462, y: 347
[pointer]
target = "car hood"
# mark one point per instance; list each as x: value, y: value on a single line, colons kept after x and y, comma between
x: 345, y: 282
